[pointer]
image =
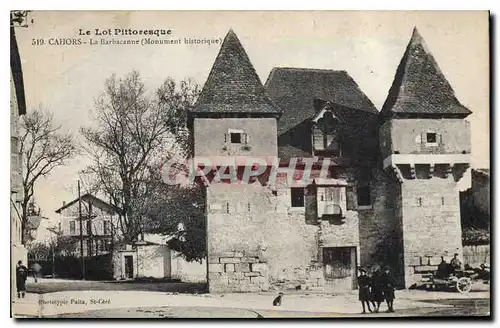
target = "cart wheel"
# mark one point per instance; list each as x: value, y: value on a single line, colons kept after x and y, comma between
x: 464, y: 285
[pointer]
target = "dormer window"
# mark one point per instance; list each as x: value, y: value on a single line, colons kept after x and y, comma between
x: 326, y: 132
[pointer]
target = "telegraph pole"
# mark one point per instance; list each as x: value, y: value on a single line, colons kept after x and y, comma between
x: 81, y: 230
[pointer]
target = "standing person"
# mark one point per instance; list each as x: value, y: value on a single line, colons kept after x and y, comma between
x: 388, y: 287
x: 36, y: 268
x: 377, y: 293
x: 364, y: 289
x: 21, y: 276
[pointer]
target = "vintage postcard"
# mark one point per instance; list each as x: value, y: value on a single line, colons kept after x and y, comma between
x: 232, y: 164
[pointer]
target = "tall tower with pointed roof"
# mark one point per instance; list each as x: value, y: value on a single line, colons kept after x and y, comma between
x: 234, y: 118
x: 425, y: 142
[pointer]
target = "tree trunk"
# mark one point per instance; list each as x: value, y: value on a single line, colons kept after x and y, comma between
x: 24, y: 219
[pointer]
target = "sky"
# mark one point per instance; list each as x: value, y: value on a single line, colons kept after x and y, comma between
x: 65, y: 79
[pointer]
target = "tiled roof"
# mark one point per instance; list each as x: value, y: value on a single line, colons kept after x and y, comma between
x: 296, y: 89
x: 233, y: 85
x: 419, y: 86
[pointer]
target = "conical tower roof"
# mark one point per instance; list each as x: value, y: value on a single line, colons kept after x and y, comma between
x: 419, y: 86
x: 233, y: 86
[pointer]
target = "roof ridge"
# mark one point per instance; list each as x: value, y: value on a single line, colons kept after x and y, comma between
x: 309, y: 69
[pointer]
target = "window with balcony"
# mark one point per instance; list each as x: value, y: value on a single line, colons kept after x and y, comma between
x: 331, y: 201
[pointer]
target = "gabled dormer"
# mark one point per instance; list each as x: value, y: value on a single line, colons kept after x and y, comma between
x: 326, y: 130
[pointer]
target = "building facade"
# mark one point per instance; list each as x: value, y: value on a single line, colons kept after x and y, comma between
x: 99, y: 225
x: 388, y: 195
x: 17, y: 108
x: 152, y: 258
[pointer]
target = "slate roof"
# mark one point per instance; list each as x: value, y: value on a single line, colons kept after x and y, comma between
x: 295, y: 89
x: 233, y: 85
x: 419, y: 86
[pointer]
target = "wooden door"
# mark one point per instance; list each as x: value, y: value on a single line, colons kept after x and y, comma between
x: 129, y: 266
x: 340, y: 267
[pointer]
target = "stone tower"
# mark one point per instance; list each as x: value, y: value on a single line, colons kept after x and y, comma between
x: 234, y: 118
x: 425, y: 142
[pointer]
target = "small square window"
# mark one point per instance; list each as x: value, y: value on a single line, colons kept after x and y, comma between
x: 297, y: 195
x: 235, y: 138
x: 431, y: 137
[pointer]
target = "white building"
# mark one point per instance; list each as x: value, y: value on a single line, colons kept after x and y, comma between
x: 99, y: 225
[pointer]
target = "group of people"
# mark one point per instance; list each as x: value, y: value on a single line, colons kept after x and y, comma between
x: 376, y: 288
x: 444, y: 269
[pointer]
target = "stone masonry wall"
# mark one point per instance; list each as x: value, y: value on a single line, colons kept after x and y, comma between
x: 380, y: 226
x: 210, y: 139
x: 431, y: 224
x: 408, y: 136
x: 260, y: 240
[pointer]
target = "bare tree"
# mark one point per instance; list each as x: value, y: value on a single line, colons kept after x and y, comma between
x: 44, y: 146
x: 133, y: 130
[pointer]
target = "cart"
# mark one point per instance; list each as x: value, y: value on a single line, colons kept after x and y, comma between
x: 459, y: 281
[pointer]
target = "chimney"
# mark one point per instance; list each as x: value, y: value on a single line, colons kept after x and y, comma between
x: 64, y: 203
